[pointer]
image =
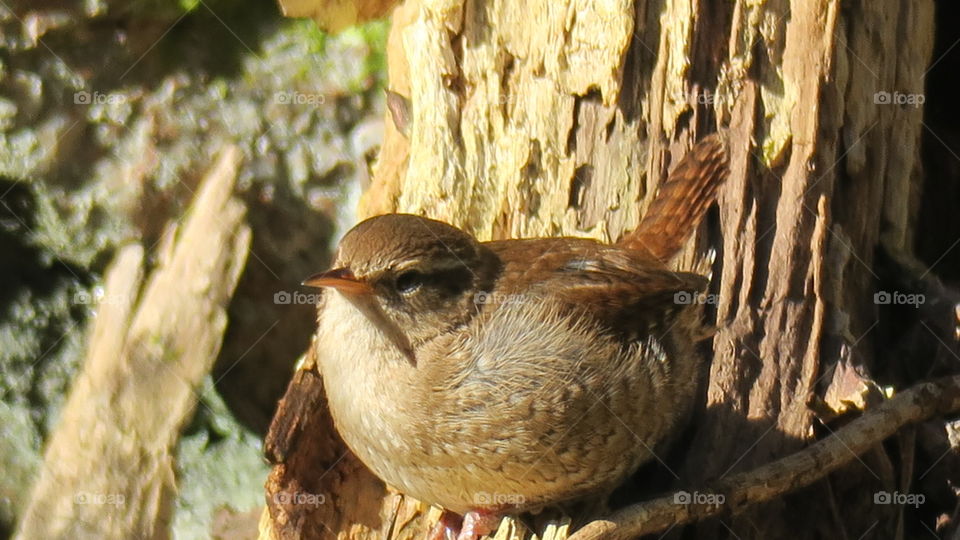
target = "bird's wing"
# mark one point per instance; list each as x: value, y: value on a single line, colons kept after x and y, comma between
x: 619, y: 287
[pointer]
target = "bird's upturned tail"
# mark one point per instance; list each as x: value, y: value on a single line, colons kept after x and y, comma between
x: 682, y: 201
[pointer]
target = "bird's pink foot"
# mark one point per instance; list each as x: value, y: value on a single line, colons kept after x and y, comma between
x: 478, y: 523
x: 447, y: 527
x: 470, y: 526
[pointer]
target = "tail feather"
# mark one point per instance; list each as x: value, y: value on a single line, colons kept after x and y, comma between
x: 682, y: 202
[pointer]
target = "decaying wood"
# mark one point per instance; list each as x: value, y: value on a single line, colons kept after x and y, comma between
x: 787, y: 474
x: 550, y: 118
x: 108, y: 470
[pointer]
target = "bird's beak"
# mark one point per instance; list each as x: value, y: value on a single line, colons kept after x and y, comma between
x: 341, y: 279
x: 360, y: 294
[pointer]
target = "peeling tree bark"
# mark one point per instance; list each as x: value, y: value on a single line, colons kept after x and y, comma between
x: 550, y: 118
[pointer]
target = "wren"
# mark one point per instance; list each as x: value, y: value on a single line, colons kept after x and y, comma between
x: 491, y: 378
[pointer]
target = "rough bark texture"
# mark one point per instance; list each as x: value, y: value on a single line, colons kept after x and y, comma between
x: 108, y: 471
x: 554, y: 118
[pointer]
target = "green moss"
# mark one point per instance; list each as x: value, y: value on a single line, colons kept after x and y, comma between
x: 220, y: 466
x: 19, y: 461
x: 368, y: 40
x: 310, y: 34
x: 375, y: 35
x: 188, y: 5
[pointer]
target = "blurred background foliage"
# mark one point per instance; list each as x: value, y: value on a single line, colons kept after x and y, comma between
x: 110, y: 112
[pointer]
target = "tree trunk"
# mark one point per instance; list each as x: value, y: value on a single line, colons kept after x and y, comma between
x: 550, y: 118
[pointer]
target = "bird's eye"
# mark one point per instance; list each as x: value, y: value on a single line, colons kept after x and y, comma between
x: 409, y: 282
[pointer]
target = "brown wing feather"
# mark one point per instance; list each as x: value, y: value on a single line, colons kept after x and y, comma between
x: 619, y: 287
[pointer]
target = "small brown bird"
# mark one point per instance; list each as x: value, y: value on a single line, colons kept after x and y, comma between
x: 491, y: 378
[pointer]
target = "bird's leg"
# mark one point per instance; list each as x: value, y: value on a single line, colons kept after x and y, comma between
x: 478, y: 523
x: 447, y: 527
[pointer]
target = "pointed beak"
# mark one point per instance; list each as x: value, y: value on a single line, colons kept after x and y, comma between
x: 341, y: 279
